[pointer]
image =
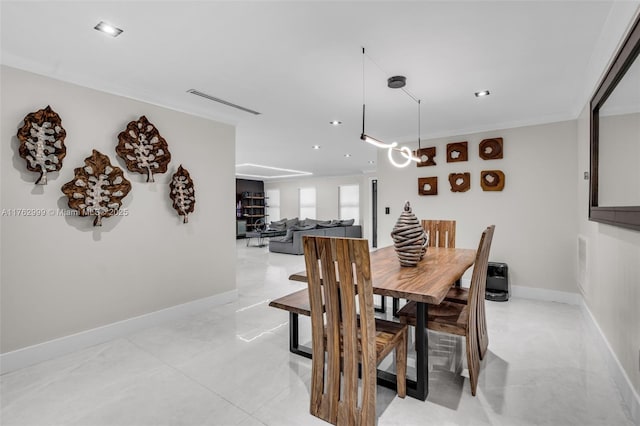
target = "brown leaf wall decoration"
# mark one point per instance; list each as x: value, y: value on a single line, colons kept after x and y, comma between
x: 97, y: 188
x: 143, y: 149
x: 42, y: 142
x: 182, y: 192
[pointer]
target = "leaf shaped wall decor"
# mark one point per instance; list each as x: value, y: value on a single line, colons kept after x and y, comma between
x: 42, y: 142
x: 143, y: 149
x: 97, y: 188
x: 182, y: 193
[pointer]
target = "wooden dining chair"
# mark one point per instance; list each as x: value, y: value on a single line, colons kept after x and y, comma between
x: 457, y: 293
x: 345, y: 333
x: 442, y: 233
x: 461, y: 319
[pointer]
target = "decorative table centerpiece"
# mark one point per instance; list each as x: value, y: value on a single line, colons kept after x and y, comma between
x: 410, y: 240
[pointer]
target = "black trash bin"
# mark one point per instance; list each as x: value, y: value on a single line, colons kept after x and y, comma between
x: 497, y: 282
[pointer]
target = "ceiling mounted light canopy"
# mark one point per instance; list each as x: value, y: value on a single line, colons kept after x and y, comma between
x: 482, y: 93
x: 108, y: 29
x: 396, y: 82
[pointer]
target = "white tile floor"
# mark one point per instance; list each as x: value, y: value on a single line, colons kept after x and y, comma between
x: 231, y: 366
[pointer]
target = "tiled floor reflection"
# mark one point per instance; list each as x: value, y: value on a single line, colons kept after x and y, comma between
x: 231, y: 366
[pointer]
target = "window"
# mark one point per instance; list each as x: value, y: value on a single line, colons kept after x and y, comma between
x: 273, y: 205
x: 349, y: 201
x: 307, y: 202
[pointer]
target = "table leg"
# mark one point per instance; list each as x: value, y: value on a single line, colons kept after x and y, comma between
x: 396, y: 307
x: 383, y: 305
x: 294, y: 344
x: 421, y: 388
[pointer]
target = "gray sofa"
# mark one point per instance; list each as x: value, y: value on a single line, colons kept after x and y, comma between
x: 281, y: 245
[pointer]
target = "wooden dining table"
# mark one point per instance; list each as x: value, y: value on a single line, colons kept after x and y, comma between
x: 426, y: 283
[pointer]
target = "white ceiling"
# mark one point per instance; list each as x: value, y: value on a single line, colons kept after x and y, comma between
x: 300, y: 64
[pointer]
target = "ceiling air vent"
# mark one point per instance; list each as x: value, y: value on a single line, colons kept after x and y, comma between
x: 222, y: 101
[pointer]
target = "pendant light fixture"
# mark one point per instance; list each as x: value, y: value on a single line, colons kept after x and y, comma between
x: 395, y: 82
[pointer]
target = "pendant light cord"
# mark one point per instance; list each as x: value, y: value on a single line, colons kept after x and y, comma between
x: 363, y: 99
x: 403, y: 89
x: 419, y: 133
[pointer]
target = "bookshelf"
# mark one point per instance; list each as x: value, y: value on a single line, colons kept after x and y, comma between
x: 253, y: 208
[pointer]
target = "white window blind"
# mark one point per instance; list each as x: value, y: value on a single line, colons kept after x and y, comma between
x: 349, y: 201
x: 307, y: 203
x: 273, y: 203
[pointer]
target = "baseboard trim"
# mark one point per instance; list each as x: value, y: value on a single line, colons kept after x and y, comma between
x: 620, y: 377
x: 542, y: 294
x: 546, y: 295
x: 30, y: 355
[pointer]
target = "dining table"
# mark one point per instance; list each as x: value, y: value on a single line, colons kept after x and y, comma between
x: 427, y: 283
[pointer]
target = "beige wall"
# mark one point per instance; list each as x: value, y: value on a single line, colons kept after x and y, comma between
x: 611, y: 285
x: 612, y: 276
x: 60, y: 275
x: 534, y: 214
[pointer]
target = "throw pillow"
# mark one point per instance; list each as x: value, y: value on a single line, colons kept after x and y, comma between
x: 348, y: 222
x: 289, y: 223
x: 308, y: 222
x: 278, y: 225
x: 328, y: 225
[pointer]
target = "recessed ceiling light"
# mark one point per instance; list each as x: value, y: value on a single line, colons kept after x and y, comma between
x: 347, y: 155
x: 108, y: 29
x: 316, y: 147
x: 335, y: 122
x: 482, y: 93
x: 371, y: 162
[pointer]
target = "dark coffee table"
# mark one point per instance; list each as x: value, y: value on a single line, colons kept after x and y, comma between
x: 261, y: 235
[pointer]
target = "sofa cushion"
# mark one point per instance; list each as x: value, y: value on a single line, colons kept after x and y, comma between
x: 348, y: 222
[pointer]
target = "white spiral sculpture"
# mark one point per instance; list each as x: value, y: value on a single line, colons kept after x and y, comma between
x: 410, y: 240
